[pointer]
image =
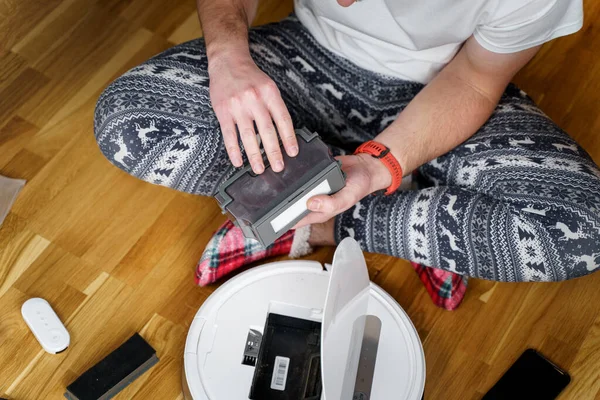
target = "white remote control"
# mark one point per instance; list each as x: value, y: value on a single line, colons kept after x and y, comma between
x: 45, y: 325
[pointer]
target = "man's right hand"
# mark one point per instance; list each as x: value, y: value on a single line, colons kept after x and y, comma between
x: 242, y: 94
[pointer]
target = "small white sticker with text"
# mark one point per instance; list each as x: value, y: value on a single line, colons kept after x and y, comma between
x: 280, y: 372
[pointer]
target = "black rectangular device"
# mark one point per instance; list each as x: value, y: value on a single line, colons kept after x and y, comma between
x: 531, y: 377
x: 289, y: 362
x: 113, y: 373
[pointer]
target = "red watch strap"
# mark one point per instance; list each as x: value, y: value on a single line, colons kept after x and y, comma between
x: 384, y: 154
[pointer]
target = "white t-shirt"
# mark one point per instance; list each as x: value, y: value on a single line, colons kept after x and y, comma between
x: 415, y: 39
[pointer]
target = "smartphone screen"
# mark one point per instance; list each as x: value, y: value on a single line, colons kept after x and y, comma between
x: 532, y: 376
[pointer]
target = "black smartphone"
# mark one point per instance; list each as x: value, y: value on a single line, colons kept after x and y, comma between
x: 531, y: 377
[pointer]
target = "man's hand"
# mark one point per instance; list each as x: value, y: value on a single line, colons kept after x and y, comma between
x: 241, y: 95
x: 364, y: 175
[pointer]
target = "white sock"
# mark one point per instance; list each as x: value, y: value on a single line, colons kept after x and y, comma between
x: 300, y: 246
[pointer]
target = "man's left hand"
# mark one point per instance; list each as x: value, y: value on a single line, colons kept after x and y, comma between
x: 364, y: 175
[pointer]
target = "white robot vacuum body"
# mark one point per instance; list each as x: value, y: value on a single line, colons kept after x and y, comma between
x: 369, y: 348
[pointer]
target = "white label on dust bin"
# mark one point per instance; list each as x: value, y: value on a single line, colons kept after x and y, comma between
x: 296, y: 209
x: 280, y: 372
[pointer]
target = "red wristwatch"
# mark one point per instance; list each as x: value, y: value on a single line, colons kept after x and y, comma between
x: 384, y: 154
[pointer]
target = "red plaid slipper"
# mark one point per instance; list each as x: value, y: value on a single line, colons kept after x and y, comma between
x: 446, y: 289
x: 229, y: 250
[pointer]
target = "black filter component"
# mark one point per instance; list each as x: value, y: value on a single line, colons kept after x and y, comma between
x: 115, y: 372
x: 263, y: 205
x: 289, y: 360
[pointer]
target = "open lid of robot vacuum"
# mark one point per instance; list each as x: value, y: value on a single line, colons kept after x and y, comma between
x: 344, y: 321
x: 369, y: 347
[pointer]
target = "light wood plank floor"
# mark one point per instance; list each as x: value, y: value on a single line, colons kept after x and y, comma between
x: 114, y: 255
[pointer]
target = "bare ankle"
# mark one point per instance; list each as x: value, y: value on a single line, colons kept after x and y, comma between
x: 322, y: 234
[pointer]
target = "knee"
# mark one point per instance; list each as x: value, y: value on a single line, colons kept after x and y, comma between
x: 114, y: 127
x: 107, y: 106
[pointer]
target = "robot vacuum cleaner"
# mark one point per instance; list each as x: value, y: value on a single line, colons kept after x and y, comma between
x: 297, y: 330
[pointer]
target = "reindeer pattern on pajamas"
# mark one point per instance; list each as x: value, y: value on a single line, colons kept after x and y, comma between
x: 518, y: 201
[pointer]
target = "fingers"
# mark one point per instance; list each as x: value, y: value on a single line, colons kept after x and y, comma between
x: 348, y: 161
x: 282, y: 118
x: 327, y: 204
x: 261, y: 107
x: 251, y: 146
x: 338, y: 202
x: 268, y: 134
x: 230, y: 137
x: 325, y: 207
x: 245, y: 124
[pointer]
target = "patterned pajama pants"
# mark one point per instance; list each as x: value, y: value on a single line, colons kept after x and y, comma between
x: 518, y: 201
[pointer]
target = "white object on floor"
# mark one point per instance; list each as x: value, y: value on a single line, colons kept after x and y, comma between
x: 45, y: 325
x: 338, y: 298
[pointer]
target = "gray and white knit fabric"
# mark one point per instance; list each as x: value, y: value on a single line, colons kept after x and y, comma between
x: 518, y: 201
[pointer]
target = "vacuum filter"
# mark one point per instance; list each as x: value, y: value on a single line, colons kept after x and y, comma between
x: 266, y: 206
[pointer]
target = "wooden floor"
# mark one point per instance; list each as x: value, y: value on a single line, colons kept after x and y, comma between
x: 114, y: 255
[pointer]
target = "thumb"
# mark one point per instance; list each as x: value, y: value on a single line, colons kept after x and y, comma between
x: 319, y: 203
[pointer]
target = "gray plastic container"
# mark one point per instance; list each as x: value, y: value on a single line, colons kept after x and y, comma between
x: 266, y: 206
